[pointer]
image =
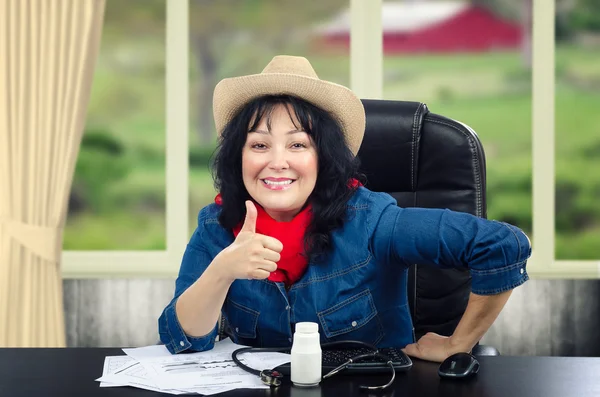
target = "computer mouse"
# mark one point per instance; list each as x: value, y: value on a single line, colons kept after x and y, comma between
x: 459, y: 366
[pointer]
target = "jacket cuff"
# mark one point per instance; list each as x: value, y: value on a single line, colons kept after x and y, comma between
x: 174, y: 337
x: 507, y: 277
x: 495, y: 281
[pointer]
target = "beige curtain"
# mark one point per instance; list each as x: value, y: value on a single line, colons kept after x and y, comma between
x: 48, y: 51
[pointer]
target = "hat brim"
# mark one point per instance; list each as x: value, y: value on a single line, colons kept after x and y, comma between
x: 232, y: 94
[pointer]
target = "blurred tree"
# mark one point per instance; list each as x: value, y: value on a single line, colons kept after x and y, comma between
x: 584, y: 15
x: 561, y: 21
x: 518, y: 10
x: 219, y: 29
x: 257, y: 29
x: 576, y: 16
x: 102, y: 161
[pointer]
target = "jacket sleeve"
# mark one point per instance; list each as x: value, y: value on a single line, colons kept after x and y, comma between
x: 495, y: 252
x: 195, y: 261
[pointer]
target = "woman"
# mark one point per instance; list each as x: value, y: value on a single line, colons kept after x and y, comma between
x: 294, y: 236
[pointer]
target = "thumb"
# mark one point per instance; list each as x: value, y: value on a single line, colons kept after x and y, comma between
x: 412, y: 350
x: 250, y: 221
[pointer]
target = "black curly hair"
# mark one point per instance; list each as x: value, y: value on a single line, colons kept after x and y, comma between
x: 337, y: 166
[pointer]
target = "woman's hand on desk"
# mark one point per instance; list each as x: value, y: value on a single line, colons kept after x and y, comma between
x: 434, y: 347
x: 251, y: 255
x: 479, y: 315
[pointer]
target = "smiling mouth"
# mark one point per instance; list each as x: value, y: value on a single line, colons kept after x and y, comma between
x: 278, y: 183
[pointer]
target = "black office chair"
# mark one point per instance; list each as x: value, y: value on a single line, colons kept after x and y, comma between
x: 426, y: 160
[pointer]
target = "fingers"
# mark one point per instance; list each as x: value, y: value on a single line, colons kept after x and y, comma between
x: 263, y: 271
x: 268, y: 266
x: 270, y: 243
x: 270, y: 255
x: 258, y: 274
x: 251, y: 215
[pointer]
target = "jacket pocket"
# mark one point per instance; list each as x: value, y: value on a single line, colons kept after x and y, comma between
x: 242, y: 322
x: 355, y: 318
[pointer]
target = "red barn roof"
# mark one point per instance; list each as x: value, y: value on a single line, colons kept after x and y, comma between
x: 448, y: 26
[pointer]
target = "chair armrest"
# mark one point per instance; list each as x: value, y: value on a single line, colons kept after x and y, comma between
x: 485, y: 350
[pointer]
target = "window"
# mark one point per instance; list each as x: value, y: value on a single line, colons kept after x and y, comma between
x: 471, y: 62
x: 120, y: 172
x: 495, y: 83
x: 577, y: 98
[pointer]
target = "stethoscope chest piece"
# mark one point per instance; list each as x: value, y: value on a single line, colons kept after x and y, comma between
x: 271, y: 377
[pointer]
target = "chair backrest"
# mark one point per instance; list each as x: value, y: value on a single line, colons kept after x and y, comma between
x: 426, y: 160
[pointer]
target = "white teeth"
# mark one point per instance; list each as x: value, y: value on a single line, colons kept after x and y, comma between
x: 278, y: 183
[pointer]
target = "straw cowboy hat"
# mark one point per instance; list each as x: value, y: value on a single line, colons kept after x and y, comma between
x: 290, y: 75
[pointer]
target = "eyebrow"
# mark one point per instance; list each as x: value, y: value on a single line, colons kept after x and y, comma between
x: 269, y: 132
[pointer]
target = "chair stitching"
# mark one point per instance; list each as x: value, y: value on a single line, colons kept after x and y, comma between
x: 413, y: 146
x: 476, y: 171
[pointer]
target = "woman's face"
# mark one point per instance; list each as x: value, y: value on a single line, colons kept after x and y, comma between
x: 279, y: 165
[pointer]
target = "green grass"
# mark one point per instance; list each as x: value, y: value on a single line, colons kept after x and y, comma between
x: 577, y: 121
x: 489, y: 92
x: 118, y: 230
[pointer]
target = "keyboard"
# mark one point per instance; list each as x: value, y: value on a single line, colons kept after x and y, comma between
x: 334, y: 358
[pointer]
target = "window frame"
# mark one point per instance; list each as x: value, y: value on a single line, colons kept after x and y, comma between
x: 543, y: 262
x: 366, y: 74
x: 164, y: 263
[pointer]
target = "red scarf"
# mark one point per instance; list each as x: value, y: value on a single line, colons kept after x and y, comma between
x: 293, y: 262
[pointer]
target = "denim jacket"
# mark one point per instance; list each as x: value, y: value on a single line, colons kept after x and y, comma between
x: 360, y: 291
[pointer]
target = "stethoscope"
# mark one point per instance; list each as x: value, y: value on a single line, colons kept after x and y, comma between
x: 272, y: 377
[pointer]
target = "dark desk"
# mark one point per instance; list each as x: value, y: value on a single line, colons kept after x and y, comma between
x: 71, y: 372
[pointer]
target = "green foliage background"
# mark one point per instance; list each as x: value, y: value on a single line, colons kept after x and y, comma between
x: 118, y: 196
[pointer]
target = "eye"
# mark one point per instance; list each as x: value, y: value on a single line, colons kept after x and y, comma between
x: 259, y: 146
x: 299, y: 145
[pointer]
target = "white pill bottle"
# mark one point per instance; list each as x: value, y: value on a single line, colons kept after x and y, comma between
x: 306, y: 355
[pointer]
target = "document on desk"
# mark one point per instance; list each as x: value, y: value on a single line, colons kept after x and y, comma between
x: 130, y: 373
x: 211, y: 368
x: 112, y: 364
x: 210, y: 372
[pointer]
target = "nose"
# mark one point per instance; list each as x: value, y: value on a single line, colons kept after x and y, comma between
x: 279, y: 160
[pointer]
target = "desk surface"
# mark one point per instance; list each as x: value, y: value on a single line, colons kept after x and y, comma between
x: 71, y: 371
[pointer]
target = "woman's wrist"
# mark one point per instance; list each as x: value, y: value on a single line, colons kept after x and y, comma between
x: 462, y: 343
x: 216, y: 274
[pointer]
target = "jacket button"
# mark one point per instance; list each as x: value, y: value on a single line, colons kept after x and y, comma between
x: 354, y: 323
x: 181, y: 343
x: 287, y: 308
x: 237, y: 329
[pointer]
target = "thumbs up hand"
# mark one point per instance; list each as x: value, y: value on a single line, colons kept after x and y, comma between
x: 251, y: 255
x: 251, y: 215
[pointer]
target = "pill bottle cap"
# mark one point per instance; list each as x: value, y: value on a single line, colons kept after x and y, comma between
x: 307, y: 328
